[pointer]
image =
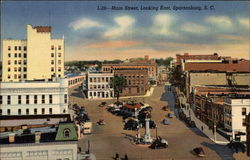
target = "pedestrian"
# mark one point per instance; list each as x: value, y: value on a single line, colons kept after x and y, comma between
x: 116, y: 156
x: 201, y: 128
x: 126, y: 157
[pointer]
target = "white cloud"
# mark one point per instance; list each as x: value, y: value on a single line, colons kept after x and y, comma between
x: 221, y: 22
x: 123, y: 26
x: 162, y: 23
x: 193, y: 28
x: 84, y: 23
x: 245, y: 22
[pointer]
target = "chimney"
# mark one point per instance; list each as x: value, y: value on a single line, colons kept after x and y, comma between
x: 37, y: 137
x: 11, y: 137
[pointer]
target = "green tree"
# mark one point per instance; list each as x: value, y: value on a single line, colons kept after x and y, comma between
x: 118, y: 83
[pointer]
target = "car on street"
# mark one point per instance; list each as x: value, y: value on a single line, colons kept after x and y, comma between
x: 131, y: 124
x: 165, y: 122
x: 199, y: 151
x: 170, y: 115
x: 159, y: 143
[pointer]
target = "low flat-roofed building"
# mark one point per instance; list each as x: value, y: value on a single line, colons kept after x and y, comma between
x: 34, y: 97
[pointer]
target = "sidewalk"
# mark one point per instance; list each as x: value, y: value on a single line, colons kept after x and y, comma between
x: 216, y: 138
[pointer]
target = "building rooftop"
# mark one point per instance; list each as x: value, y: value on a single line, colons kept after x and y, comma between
x: 42, y: 28
x: 228, y: 66
x: 213, y: 90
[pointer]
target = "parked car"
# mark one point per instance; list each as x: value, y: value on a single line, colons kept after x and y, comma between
x: 165, y: 122
x: 159, y: 143
x: 165, y: 108
x: 170, y: 115
x: 101, y: 122
x: 199, y: 151
x: 131, y: 125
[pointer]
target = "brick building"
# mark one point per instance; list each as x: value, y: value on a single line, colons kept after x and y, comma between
x: 187, y: 56
x: 145, y: 64
x: 136, y: 81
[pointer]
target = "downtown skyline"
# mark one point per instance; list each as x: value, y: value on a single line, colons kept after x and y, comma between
x: 92, y: 34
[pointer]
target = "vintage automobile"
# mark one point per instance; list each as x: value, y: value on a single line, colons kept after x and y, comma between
x: 101, y: 122
x: 199, y: 151
x: 165, y: 122
x: 159, y: 143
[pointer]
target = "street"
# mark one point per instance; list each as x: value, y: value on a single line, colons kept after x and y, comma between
x: 107, y: 140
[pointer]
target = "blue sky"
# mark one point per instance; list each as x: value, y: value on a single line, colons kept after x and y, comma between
x: 110, y: 34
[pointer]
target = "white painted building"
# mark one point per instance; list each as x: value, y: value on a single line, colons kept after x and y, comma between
x: 99, y: 85
x: 235, y: 112
x: 33, y: 98
x: 37, y: 57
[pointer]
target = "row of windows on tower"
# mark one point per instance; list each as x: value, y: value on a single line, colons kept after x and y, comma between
x: 17, y: 62
x: 35, y: 99
x: 53, y: 62
x: 18, y: 55
x: 27, y: 111
x: 16, y: 48
x: 58, y: 54
x: 15, y: 76
x: 17, y: 69
x: 59, y: 69
x: 54, y: 47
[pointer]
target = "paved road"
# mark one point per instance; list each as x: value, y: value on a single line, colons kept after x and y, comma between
x: 107, y: 140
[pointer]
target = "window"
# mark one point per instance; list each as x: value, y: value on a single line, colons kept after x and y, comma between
x: 19, y: 111
x: 24, y: 48
x: 9, y: 69
x: 19, y: 62
x: 19, y: 69
x: 15, y: 69
x: 15, y: 55
x: 9, y: 62
x: 52, y: 69
x: 66, y: 132
x: 59, y: 69
x: 138, y: 90
x: 35, y: 99
x: 50, y: 110
x: 25, y: 55
x: 1, y: 99
x: 90, y: 79
x: 52, y: 61
x: 50, y: 99
x: 9, y: 48
x: 19, y: 48
x: 1, y: 112
x: 19, y: 99
x: 24, y: 69
x: 59, y: 54
x: 43, y: 111
x: 35, y: 111
x: 90, y: 93
x: 8, y: 99
x: 27, y: 111
x: 15, y: 48
x: 65, y: 98
x: 52, y: 47
x: 9, y: 55
x: 24, y: 62
x: 244, y: 111
x: 43, y: 99
x: 19, y: 76
x: 27, y: 99
x: 15, y: 76
x: 52, y: 54
x: 15, y: 61
x: 107, y: 79
x: 24, y: 75
x: 59, y: 62
x: 8, y: 111
x: 8, y: 76
x: 59, y: 47
x: 243, y: 122
x: 19, y: 55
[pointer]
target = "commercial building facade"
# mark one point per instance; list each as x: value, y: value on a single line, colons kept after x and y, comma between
x: 37, y: 57
x: 99, y: 85
x: 33, y: 98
